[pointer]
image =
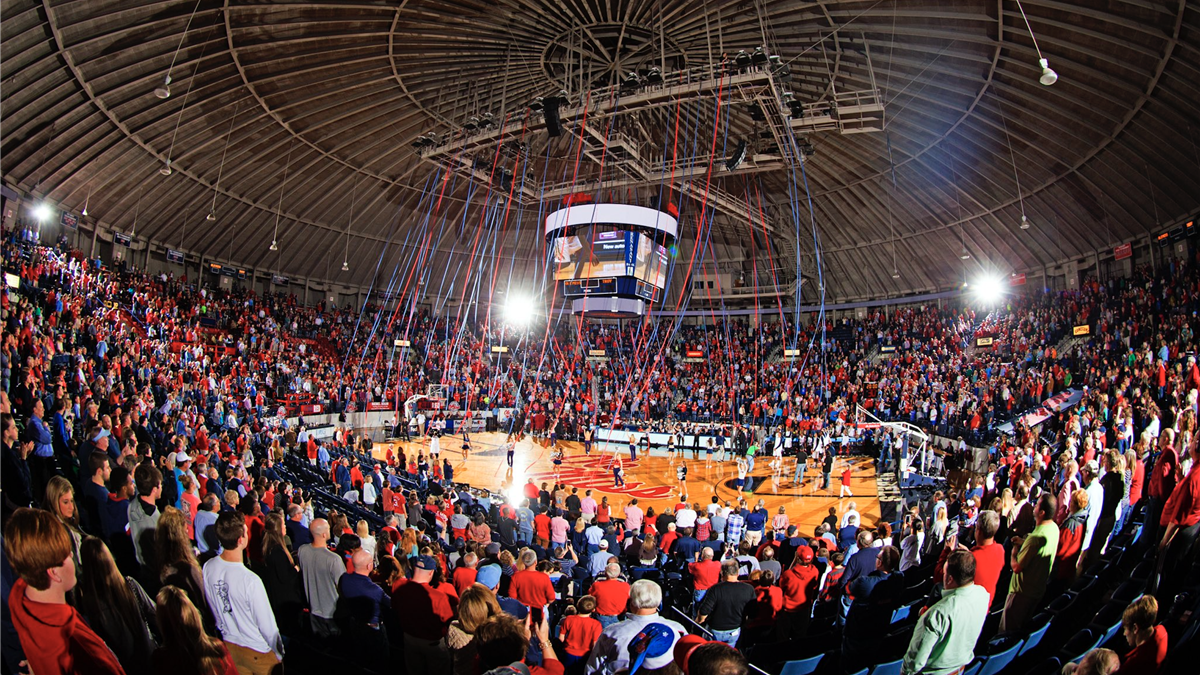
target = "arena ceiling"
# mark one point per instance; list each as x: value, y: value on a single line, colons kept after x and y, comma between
x: 321, y: 101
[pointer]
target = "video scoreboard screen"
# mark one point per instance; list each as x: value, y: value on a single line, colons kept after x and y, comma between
x: 608, y: 255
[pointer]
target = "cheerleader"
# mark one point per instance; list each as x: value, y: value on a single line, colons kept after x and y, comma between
x: 558, y: 460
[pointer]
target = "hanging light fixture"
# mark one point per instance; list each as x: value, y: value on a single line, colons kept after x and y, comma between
x: 279, y: 204
x: 212, y: 210
x: 164, y: 91
x: 1013, y: 158
x: 891, y: 200
x: 86, y: 200
x: 353, y: 195
x: 1048, y: 76
x: 166, y: 170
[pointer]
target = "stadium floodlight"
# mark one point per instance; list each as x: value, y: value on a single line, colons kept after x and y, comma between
x: 42, y: 212
x: 519, y: 309
x: 989, y: 289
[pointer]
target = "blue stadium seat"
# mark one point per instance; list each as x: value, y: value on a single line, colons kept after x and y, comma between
x: 974, y: 666
x: 1036, y: 635
x: 1050, y: 666
x: 889, y: 668
x: 1128, y: 592
x: 900, y: 614
x: 997, y: 662
x: 1107, y: 622
x: 803, y: 666
x: 1083, y: 642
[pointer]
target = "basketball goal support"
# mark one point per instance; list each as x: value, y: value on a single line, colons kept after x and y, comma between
x: 922, y: 451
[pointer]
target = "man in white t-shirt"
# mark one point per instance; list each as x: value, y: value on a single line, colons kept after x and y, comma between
x: 685, y: 517
x: 239, y: 601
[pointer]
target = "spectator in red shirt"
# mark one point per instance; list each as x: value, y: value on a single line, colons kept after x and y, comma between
x: 799, y: 584
x: 1181, y: 518
x: 705, y: 574
x: 425, y: 613
x: 578, y: 632
x: 989, y: 556
x: 1070, y: 538
x: 1161, y: 482
x: 541, y: 529
x: 612, y: 595
x: 54, y: 635
x: 1148, y: 641
x: 465, y: 572
x: 529, y: 586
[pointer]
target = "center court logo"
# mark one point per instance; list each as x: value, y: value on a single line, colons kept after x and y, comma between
x: 595, y: 472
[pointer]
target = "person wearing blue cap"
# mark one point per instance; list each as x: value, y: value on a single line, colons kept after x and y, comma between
x: 425, y: 614
x: 489, y: 576
x: 617, y: 648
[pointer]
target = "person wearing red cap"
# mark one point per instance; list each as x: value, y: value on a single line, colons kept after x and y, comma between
x: 800, y: 586
x: 696, y: 656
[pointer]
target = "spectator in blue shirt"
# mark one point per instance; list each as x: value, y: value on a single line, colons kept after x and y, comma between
x: 205, y: 524
x: 41, y: 462
x: 756, y: 522
x: 362, y: 602
x: 847, y: 534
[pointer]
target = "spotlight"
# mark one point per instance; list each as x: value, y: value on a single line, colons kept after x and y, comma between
x: 472, y: 123
x: 165, y: 90
x: 965, y: 256
x: 42, y: 212
x: 537, y: 104
x: 345, y: 265
x: 166, y: 170
x: 759, y: 56
x: 1024, y: 222
x: 519, y: 309
x: 895, y: 274
x: 989, y: 289
x: 274, y: 245
x: 742, y: 59
x: 632, y: 81
x: 654, y: 76
x: 210, y: 216
x: 1048, y: 77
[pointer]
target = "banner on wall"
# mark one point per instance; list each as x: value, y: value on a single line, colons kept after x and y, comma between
x: 70, y: 220
x: 174, y: 256
x: 1123, y: 251
x: 279, y: 280
x: 1016, y: 280
x: 122, y: 239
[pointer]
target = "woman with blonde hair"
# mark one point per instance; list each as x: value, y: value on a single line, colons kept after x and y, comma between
x: 476, y: 605
x: 116, y: 607
x: 780, y: 522
x: 364, y: 536
x: 186, y: 648
x: 60, y: 500
x: 407, y: 548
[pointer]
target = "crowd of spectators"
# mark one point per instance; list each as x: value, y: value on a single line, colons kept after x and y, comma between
x: 160, y: 516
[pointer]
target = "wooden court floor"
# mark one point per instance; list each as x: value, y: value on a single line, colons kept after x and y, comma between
x: 652, y: 480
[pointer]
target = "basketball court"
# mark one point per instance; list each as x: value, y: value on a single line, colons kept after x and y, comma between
x: 652, y: 479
